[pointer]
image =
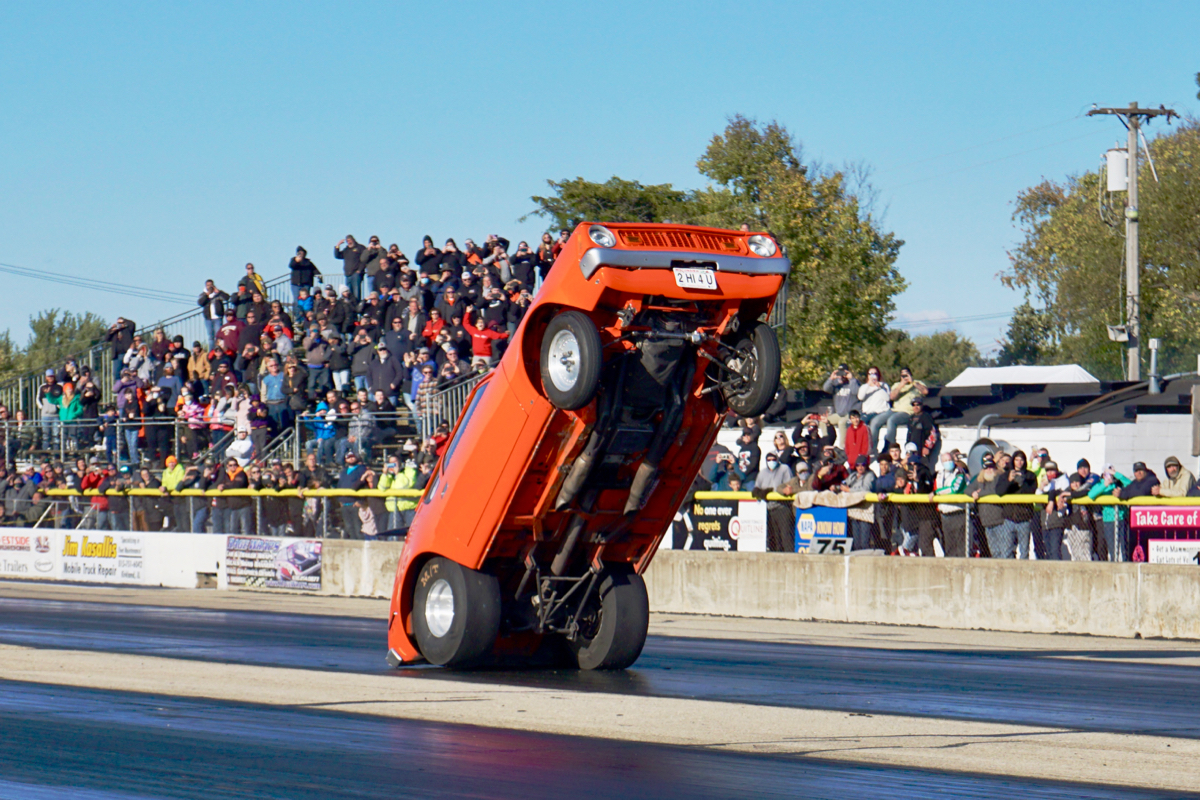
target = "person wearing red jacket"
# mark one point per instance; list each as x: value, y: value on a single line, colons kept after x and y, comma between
x: 481, y: 341
x: 858, y: 438
x: 229, y: 333
x: 433, y: 327
x: 92, y: 480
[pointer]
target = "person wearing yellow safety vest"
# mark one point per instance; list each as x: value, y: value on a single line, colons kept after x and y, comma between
x: 401, y: 510
x: 172, y: 474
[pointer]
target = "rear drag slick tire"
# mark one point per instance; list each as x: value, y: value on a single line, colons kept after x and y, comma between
x: 456, y: 613
x: 617, y: 637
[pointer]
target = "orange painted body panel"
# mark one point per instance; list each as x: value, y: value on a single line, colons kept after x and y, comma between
x: 490, y: 501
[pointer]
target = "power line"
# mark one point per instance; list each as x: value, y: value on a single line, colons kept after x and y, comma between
x: 991, y: 161
x: 141, y: 292
x: 981, y: 144
x: 951, y: 320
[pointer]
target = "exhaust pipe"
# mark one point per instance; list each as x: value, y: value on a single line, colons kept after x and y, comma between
x: 559, y: 565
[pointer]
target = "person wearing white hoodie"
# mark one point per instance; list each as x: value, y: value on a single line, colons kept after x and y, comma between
x: 242, y: 448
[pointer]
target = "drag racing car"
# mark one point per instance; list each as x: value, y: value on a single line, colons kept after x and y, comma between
x: 572, y: 456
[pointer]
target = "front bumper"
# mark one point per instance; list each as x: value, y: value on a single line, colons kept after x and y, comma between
x: 598, y: 257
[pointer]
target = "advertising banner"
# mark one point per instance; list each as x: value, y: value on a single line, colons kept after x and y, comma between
x: 1175, y: 551
x: 1165, y: 517
x: 261, y: 563
x: 180, y: 560
x: 100, y: 557
x: 728, y: 525
x: 28, y: 553
x: 822, y: 530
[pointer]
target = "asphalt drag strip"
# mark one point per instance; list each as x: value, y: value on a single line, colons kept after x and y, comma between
x: 88, y: 744
x: 1045, y: 755
x: 1054, y: 688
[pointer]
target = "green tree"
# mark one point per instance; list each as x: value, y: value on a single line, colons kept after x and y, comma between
x: 934, y: 358
x: 56, y: 334
x: 615, y: 200
x: 1029, y: 339
x: 843, y: 282
x: 843, y: 279
x: 1072, y: 261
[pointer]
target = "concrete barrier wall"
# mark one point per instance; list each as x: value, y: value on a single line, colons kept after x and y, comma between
x: 1027, y: 596
x: 359, y: 569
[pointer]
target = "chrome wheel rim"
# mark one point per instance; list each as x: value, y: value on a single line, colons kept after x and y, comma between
x: 439, y: 608
x: 745, y: 365
x: 563, y: 360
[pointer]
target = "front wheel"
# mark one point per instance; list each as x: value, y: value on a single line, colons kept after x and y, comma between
x: 755, y: 365
x: 613, y: 626
x: 571, y: 355
x: 456, y: 613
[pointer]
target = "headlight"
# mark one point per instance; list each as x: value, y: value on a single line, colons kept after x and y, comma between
x: 602, y: 236
x: 762, y: 245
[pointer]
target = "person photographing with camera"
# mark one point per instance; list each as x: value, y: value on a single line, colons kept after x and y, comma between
x: 842, y: 384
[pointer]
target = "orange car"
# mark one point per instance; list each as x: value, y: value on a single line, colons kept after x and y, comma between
x: 573, y: 455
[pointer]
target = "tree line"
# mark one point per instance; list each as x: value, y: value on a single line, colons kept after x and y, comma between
x: 843, y: 281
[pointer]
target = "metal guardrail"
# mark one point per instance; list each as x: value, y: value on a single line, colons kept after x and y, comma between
x: 284, y: 446
x: 445, y: 405
x: 21, y: 391
x: 389, y: 428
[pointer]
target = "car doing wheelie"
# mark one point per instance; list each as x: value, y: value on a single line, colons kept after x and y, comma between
x: 572, y: 456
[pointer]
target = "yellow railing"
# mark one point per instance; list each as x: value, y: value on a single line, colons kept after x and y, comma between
x: 239, y: 493
x: 1008, y: 499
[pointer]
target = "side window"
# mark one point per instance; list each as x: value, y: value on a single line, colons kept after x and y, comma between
x: 450, y: 448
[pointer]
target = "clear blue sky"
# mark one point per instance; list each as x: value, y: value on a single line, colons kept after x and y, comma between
x: 159, y: 143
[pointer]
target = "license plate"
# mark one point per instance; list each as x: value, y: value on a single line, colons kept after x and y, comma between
x: 691, y: 278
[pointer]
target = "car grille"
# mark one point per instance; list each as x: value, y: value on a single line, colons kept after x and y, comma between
x: 680, y: 240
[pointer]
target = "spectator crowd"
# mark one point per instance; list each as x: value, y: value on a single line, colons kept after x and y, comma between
x: 854, y: 448
x: 354, y: 363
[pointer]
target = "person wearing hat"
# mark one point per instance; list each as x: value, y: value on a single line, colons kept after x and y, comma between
x: 49, y: 395
x: 451, y: 304
x: 352, y: 476
x: 1143, y: 484
x: 1020, y: 515
x: 385, y: 373
x: 860, y: 480
x: 1178, y: 481
x: 406, y: 288
x: 924, y: 432
x: 172, y: 474
x: 98, y: 518
x: 1057, y: 488
x: 229, y: 334
x: 1113, y: 518
x: 1001, y: 539
x: 469, y: 288
x: 232, y: 513
x: 843, y: 387
x: 401, y: 510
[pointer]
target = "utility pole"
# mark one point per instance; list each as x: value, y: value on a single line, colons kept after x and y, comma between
x: 1132, y: 118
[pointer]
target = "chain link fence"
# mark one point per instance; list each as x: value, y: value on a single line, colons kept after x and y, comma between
x: 323, y: 513
x: 1022, y: 527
